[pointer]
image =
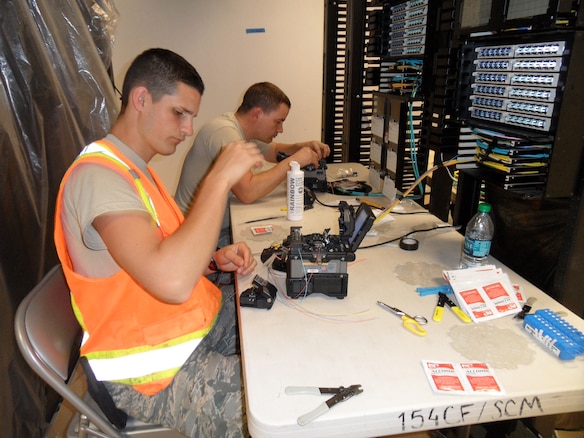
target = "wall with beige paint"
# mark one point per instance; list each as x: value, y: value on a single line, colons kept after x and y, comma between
x: 215, y: 37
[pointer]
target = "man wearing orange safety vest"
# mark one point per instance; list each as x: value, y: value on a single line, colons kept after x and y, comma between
x: 157, y: 332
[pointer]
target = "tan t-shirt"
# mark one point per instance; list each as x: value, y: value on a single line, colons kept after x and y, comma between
x: 210, y: 140
x: 90, y: 191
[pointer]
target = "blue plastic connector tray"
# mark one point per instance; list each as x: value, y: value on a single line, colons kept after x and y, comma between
x: 556, y: 334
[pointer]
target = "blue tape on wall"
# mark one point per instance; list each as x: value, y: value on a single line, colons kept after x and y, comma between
x: 255, y: 30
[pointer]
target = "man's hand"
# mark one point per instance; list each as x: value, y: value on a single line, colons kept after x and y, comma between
x: 236, y: 257
x: 304, y: 157
x: 320, y: 149
x: 236, y: 159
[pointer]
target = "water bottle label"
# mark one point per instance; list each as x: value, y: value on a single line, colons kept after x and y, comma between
x: 477, y: 248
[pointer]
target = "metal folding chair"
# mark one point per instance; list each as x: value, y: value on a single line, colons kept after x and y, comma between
x: 48, y: 336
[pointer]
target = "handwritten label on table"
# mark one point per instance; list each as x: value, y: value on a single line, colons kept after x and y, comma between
x: 470, y: 413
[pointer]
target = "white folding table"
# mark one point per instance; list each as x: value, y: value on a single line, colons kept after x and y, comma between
x: 321, y: 341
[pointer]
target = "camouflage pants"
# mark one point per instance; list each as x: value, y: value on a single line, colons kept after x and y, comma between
x: 205, y: 398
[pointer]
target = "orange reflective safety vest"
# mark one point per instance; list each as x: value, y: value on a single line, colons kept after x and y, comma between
x: 131, y: 337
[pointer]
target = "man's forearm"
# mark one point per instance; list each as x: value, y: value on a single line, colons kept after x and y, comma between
x: 286, y: 148
x: 255, y: 186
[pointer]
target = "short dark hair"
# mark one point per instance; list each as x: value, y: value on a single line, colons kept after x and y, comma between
x: 160, y: 71
x: 264, y: 95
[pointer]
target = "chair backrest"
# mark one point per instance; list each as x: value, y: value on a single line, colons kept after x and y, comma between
x: 48, y: 336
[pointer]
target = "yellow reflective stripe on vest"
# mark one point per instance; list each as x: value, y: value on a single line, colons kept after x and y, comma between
x: 97, y: 149
x: 79, y: 317
x: 145, y: 366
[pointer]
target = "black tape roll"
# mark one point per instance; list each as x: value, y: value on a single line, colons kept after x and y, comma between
x: 408, y: 243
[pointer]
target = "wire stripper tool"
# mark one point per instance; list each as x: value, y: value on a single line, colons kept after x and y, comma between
x: 439, y: 310
x: 340, y: 394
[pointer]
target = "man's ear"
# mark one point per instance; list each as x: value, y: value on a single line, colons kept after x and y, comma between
x: 139, y: 97
x: 256, y: 112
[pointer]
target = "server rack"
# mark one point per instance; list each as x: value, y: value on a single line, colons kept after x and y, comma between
x: 520, y: 70
x: 397, y: 155
x: 397, y: 159
x: 511, y: 94
x: 454, y: 29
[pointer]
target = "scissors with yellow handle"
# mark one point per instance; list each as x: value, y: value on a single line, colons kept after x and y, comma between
x: 411, y: 323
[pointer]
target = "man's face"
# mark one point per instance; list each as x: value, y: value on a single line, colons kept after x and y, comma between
x: 271, y: 124
x: 169, y: 121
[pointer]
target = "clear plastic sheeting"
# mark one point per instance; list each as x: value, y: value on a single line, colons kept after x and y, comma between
x: 56, y: 95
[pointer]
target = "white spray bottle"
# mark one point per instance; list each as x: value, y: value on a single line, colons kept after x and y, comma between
x: 295, y: 192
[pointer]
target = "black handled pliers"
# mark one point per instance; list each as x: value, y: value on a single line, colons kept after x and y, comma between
x: 340, y: 394
x: 439, y: 310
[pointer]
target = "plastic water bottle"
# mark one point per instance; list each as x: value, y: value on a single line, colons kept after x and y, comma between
x: 478, y: 238
x: 295, y: 191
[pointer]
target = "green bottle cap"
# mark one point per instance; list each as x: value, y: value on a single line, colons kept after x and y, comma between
x: 484, y: 207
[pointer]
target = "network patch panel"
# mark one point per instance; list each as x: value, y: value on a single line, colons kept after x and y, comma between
x: 405, y: 6
x: 407, y: 28
x: 542, y: 109
x: 407, y: 51
x: 556, y: 48
x: 407, y: 24
x: 547, y: 65
x: 407, y: 33
x: 401, y: 76
x: 514, y: 78
x: 536, y: 94
x: 519, y: 120
x: 415, y: 41
x: 409, y: 15
x: 517, y: 84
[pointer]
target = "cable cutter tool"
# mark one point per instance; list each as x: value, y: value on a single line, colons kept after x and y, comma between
x: 340, y: 394
x: 526, y: 308
x: 439, y: 310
